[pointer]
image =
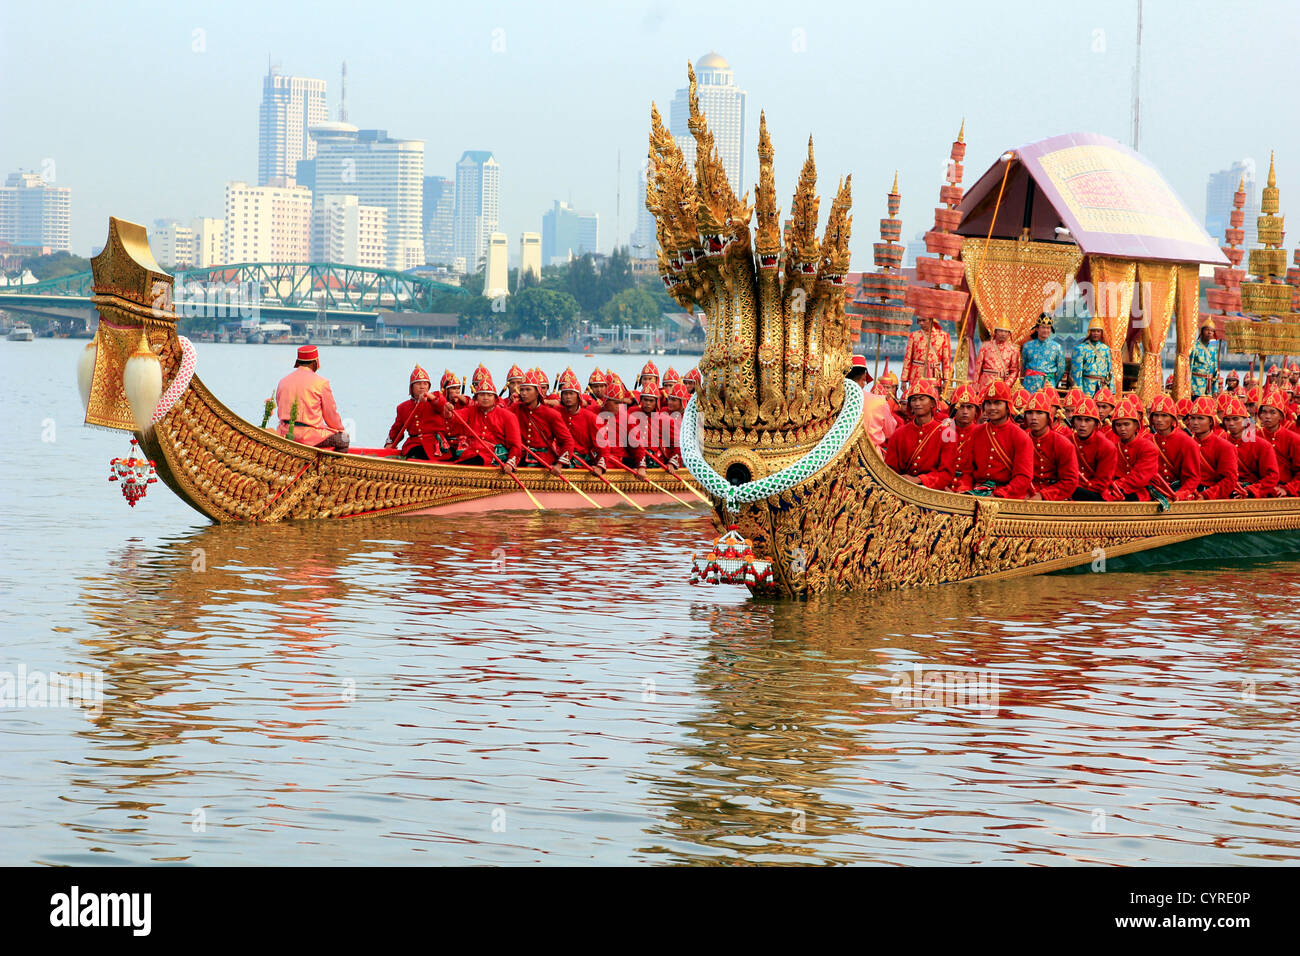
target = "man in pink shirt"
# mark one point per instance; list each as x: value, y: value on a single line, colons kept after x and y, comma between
x: 316, y: 421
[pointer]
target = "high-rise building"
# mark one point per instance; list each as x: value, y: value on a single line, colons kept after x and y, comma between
x: 290, y: 105
x: 439, y: 213
x: 530, y: 255
x: 645, y: 240
x: 478, y: 205
x: 496, y: 281
x: 270, y: 223
x: 723, y: 105
x: 34, y: 213
x: 379, y: 171
x: 209, y: 242
x: 1218, y: 200
x: 172, y: 243
x: 568, y: 233
x: 345, y: 231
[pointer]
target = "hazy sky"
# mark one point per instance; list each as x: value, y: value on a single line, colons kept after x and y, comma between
x: 146, y: 118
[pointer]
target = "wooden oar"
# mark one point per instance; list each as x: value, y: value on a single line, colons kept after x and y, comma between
x: 613, y: 487
x: 560, y: 475
x: 675, y: 475
x: 653, y: 484
x: 488, y: 449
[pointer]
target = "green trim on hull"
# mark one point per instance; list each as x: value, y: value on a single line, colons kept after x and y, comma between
x: 1212, y: 549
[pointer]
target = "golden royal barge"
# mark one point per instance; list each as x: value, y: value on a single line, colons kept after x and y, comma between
x: 775, y: 434
x: 137, y: 375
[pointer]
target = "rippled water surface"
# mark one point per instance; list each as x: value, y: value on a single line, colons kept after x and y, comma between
x: 549, y: 688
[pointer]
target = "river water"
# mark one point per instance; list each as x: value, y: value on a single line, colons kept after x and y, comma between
x: 549, y: 688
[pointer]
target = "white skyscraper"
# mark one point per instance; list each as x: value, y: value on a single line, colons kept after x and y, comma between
x: 478, y: 205
x: 290, y: 105
x: 1218, y: 201
x: 496, y: 281
x: 269, y: 223
x: 439, y: 219
x: 530, y: 255
x: 172, y: 243
x: 345, y: 231
x: 34, y: 213
x: 645, y: 239
x: 723, y: 105
x: 379, y: 171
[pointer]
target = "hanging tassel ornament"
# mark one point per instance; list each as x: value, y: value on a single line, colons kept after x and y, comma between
x: 135, y: 474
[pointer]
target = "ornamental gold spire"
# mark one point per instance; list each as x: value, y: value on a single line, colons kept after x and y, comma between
x: 801, y: 237
x: 1225, y: 296
x: 767, y: 239
x: 1268, y: 294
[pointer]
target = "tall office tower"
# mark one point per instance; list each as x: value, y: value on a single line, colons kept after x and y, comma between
x: 530, y: 255
x: 34, y: 213
x: 172, y: 243
x: 645, y: 241
x: 345, y: 231
x: 439, y: 215
x: 723, y: 105
x: 1218, y: 200
x: 379, y: 171
x: 496, y: 281
x: 567, y: 233
x: 209, y: 241
x: 478, y: 205
x: 290, y: 106
x: 270, y: 223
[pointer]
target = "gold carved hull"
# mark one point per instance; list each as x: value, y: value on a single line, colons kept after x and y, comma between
x: 856, y: 525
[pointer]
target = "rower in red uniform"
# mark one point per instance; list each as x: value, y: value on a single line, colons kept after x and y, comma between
x: 1218, y: 455
x: 671, y: 377
x: 649, y: 373
x: 1285, y: 442
x: 1096, y: 453
x: 959, y: 428
x: 917, y: 450
x: 594, y: 398
x: 646, y: 425
x: 611, y: 436
x: 423, y: 422
x: 1257, y: 471
x: 675, y: 399
x: 581, y: 421
x: 1137, y: 463
x: 692, y: 380
x: 1056, y: 469
x: 545, y: 437
x: 488, y: 427
x: 514, y: 378
x: 1105, y: 400
x: 1179, y: 456
x: 1002, y: 456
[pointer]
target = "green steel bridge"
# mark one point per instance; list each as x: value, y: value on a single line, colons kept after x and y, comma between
x: 271, y: 291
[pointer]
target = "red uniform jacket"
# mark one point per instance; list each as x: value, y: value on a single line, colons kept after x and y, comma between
x: 928, y: 452
x: 1218, y: 466
x: 496, y: 427
x: 611, y: 434
x: 961, y: 448
x: 1137, y: 471
x: 1257, y: 470
x: 1056, y: 468
x: 672, y: 424
x: 1179, y: 460
x: 583, y: 427
x: 543, y: 432
x: 1097, y: 461
x: 426, y: 427
x: 647, y: 435
x: 1002, y: 454
x: 1286, y: 447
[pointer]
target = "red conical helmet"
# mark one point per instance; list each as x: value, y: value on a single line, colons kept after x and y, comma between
x: 568, y: 381
x: 482, y: 381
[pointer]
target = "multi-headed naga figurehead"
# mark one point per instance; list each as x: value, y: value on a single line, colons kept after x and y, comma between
x: 776, y: 349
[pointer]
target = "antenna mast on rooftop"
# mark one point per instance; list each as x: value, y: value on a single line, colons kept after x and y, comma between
x: 343, y: 94
x: 1137, y: 83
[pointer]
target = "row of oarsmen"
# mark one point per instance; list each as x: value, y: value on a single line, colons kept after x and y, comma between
x: 1087, y: 449
x: 605, y: 426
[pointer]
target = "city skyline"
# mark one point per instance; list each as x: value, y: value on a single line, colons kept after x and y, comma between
x: 807, y: 70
